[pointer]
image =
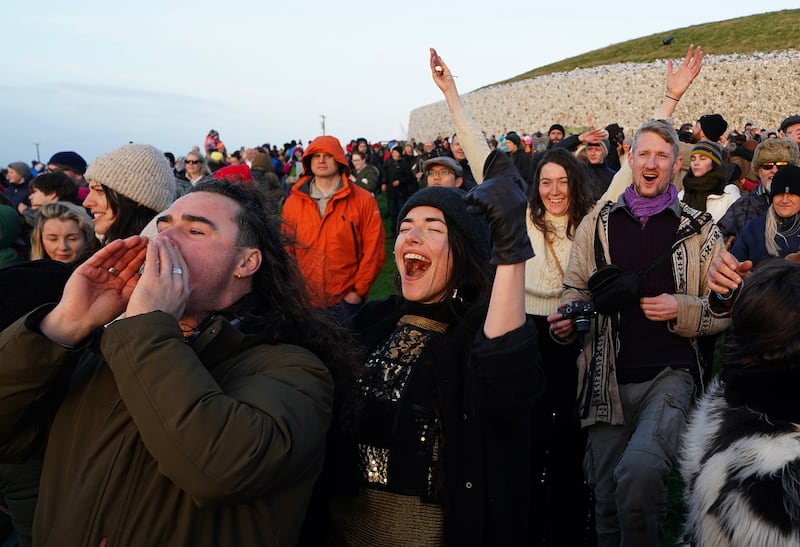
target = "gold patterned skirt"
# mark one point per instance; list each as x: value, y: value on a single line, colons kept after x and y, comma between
x: 375, y: 518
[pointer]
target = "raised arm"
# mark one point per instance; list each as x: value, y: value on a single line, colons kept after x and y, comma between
x: 97, y: 292
x: 470, y: 135
x: 678, y: 81
x: 502, y: 199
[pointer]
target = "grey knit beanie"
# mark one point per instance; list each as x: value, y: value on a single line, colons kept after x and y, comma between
x: 22, y: 169
x: 139, y: 172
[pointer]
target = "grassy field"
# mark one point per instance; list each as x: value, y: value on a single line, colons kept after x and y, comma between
x: 385, y: 283
x: 777, y: 30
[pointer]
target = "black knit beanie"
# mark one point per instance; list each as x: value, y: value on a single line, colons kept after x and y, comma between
x: 450, y: 201
x: 713, y: 125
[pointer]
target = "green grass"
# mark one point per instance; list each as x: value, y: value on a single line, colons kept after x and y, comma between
x: 384, y: 285
x: 777, y: 30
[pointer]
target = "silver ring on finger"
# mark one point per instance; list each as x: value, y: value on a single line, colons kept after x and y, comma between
x: 177, y: 270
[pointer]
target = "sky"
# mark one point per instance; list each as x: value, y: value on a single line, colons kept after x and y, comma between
x: 90, y: 76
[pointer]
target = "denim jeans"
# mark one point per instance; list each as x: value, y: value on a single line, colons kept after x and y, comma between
x: 343, y: 312
x: 628, y: 465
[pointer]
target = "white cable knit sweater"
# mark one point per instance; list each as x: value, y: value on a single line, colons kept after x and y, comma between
x: 543, y: 282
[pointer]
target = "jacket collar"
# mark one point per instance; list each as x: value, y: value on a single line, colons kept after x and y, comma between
x: 304, y: 187
x: 214, y: 342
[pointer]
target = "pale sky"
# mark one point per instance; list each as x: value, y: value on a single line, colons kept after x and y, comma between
x: 89, y: 76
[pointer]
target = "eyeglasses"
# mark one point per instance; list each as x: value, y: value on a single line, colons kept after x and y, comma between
x: 770, y: 165
x: 193, y: 162
x: 438, y: 173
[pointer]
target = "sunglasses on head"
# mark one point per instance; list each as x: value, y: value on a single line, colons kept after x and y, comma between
x: 770, y: 165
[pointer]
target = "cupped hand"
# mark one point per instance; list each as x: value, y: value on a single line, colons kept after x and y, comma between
x: 164, y: 284
x: 97, y: 291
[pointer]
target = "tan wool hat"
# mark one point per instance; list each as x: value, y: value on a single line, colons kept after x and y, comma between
x: 139, y: 172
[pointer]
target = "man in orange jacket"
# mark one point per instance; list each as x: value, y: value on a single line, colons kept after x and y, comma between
x: 336, y: 228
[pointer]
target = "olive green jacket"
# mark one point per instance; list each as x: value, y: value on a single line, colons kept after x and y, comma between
x: 154, y: 441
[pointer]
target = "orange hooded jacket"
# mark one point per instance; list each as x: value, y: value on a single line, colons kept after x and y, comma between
x: 345, y: 249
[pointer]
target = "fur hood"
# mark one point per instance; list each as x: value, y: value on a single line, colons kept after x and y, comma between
x: 740, y: 462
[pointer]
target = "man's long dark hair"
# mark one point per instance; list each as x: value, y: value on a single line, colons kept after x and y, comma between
x: 279, y: 308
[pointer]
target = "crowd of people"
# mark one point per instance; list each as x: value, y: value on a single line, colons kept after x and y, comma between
x: 191, y: 355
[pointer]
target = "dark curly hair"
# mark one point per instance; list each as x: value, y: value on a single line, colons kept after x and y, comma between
x: 279, y: 308
x: 765, y: 315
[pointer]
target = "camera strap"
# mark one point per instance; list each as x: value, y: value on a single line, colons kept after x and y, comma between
x: 695, y: 225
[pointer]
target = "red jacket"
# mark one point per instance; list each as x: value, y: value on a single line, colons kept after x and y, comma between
x: 345, y: 249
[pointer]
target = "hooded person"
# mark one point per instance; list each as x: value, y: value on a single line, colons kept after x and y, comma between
x: 128, y: 186
x: 336, y: 229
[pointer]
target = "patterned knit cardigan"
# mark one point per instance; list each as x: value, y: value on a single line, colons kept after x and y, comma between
x: 691, y: 258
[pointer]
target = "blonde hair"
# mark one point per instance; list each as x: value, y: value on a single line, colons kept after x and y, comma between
x: 204, y: 169
x: 63, y: 210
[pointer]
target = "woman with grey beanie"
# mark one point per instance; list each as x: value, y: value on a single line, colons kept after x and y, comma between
x: 127, y: 188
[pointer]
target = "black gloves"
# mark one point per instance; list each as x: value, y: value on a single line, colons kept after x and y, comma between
x: 502, y: 199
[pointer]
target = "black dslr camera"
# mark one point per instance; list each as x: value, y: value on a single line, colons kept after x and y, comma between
x: 581, y: 314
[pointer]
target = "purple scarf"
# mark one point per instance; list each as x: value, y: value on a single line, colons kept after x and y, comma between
x: 643, y: 208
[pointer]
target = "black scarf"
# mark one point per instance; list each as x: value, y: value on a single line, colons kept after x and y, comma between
x: 697, y: 189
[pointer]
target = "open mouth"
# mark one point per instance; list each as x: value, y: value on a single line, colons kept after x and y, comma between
x: 416, y: 265
x: 650, y: 177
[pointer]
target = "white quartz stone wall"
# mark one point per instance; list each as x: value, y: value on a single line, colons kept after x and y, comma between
x: 762, y: 88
